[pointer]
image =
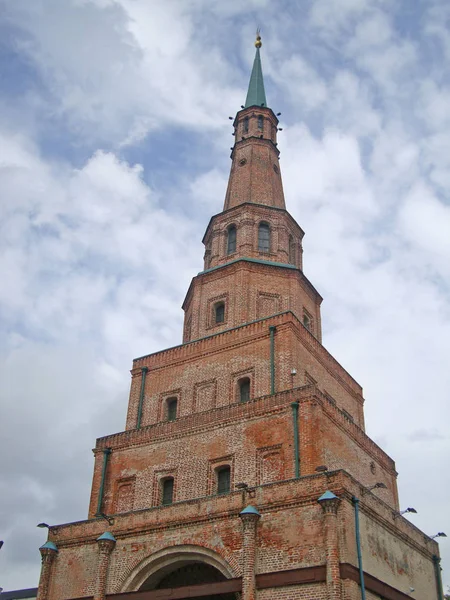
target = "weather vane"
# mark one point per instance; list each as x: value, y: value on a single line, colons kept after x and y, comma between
x: 258, y: 42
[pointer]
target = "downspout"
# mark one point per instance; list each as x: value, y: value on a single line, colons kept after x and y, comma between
x: 294, y: 406
x: 355, y: 502
x: 106, y: 453
x: 141, y: 397
x: 272, y: 330
x: 437, y: 573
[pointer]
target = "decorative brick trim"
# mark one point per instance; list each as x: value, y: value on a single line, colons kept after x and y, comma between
x: 201, y: 385
x: 118, y: 485
x: 261, y: 454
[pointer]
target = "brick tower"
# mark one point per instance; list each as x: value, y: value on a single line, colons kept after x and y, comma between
x: 244, y: 470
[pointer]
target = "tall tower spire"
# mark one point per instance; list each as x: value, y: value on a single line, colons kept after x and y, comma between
x: 256, y: 95
x: 255, y: 171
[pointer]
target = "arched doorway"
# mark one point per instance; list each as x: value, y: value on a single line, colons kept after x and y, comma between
x: 184, y: 566
x: 187, y: 573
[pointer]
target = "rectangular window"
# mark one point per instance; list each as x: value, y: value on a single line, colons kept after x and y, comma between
x: 223, y: 480
x: 172, y: 405
x: 167, y: 491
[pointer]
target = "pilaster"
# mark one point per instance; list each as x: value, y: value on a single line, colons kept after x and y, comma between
x: 330, y: 504
x: 106, y: 543
x: 250, y: 517
x: 48, y: 554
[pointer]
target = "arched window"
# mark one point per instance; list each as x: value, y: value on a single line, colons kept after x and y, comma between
x: 223, y: 480
x: 219, y: 312
x: 231, y: 239
x: 291, y: 250
x: 246, y: 125
x: 264, y: 237
x: 172, y: 405
x: 167, y: 491
x: 244, y: 389
x: 260, y: 122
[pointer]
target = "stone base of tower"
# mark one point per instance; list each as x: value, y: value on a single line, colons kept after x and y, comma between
x: 303, y: 548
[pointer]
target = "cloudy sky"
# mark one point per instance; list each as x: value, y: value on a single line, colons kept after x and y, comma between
x: 114, y: 153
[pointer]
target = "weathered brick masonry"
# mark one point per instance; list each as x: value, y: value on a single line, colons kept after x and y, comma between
x: 244, y: 465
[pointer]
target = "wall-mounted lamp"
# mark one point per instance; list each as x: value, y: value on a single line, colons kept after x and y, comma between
x: 402, y: 512
x: 109, y: 519
x: 321, y: 469
x: 241, y: 486
x: 378, y: 486
x: 293, y: 371
x: 46, y: 526
x: 440, y: 534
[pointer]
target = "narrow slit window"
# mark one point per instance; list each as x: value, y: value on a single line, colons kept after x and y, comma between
x: 167, y: 491
x: 291, y: 250
x: 172, y: 406
x: 231, y: 239
x: 223, y: 480
x: 244, y: 390
x: 260, y: 123
x: 219, y: 312
x: 264, y: 237
x: 246, y: 125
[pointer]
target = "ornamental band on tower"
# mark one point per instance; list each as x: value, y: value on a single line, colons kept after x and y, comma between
x: 244, y: 470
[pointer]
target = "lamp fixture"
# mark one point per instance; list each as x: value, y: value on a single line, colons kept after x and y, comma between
x: 241, y: 486
x: 47, y: 526
x: 377, y: 486
x: 321, y: 469
x: 293, y: 371
x: 440, y: 534
x: 278, y: 114
x: 410, y: 509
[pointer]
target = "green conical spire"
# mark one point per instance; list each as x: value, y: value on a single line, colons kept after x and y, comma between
x: 256, y: 95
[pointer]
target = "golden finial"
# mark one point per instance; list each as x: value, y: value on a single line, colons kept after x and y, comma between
x: 258, y: 42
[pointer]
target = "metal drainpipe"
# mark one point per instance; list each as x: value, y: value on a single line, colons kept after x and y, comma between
x: 106, y: 453
x: 294, y: 406
x: 272, y: 330
x: 141, y: 397
x: 355, y: 502
x: 437, y: 573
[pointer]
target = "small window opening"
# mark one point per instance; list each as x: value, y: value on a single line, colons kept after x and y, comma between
x: 264, y: 237
x: 307, y: 321
x: 246, y: 125
x: 244, y: 390
x: 172, y: 405
x: 260, y: 122
x: 223, y: 480
x: 219, y: 312
x: 291, y: 250
x: 167, y: 491
x: 231, y: 240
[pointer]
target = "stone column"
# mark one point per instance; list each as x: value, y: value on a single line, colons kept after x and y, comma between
x: 330, y: 503
x: 106, y: 543
x: 48, y: 554
x: 250, y: 517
